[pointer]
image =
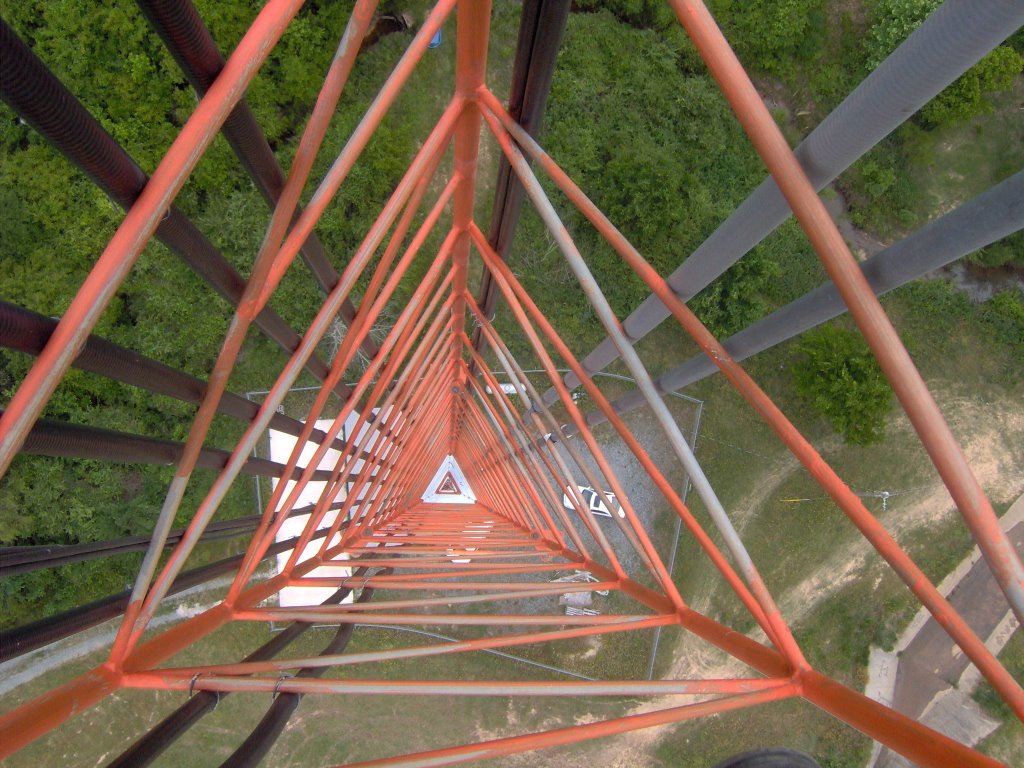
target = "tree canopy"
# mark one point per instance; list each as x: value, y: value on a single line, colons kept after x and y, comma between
x: 838, y: 374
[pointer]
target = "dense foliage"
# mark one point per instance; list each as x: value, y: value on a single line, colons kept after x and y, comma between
x: 894, y: 20
x: 1007, y: 252
x: 772, y: 35
x: 840, y: 376
x: 666, y: 171
x: 54, y: 223
x: 768, y: 35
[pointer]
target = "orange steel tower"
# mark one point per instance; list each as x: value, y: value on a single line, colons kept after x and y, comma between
x: 444, y: 496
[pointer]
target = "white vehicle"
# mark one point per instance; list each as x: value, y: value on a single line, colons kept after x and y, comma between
x: 594, y: 501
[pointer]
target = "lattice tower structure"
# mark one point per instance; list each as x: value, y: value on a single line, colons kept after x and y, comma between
x: 453, y: 547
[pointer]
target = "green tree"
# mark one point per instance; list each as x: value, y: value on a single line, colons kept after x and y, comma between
x: 666, y: 171
x: 967, y: 96
x: 1008, y: 252
x: 771, y: 35
x: 892, y: 23
x: 838, y: 374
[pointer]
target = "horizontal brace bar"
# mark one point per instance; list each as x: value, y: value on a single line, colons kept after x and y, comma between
x: 450, y: 646
x: 451, y: 687
x: 75, y: 441
x: 381, y: 584
x: 430, y: 619
x: 469, y: 569
x: 28, y: 332
x: 461, y: 599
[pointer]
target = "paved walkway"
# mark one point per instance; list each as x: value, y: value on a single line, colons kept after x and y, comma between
x: 928, y: 677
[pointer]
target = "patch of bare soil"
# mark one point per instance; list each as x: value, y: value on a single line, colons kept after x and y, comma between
x: 992, y: 436
x: 991, y: 450
x: 766, y: 488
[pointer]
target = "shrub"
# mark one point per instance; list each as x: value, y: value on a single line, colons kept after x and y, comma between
x: 840, y: 377
x: 1008, y: 252
x: 894, y: 20
x: 770, y: 35
x: 966, y: 97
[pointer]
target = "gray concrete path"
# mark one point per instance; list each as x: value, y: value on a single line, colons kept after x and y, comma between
x: 926, y: 678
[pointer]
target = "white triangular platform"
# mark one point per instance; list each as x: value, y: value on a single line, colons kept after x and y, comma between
x: 449, y: 485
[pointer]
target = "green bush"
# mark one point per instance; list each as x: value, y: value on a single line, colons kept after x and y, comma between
x: 877, y: 179
x: 892, y: 23
x: 840, y: 377
x: 772, y: 35
x: 767, y: 35
x: 966, y: 96
x: 1008, y: 252
x: 643, y: 14
x: 1004, y: 315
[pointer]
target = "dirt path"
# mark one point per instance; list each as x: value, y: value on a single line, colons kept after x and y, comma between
x: 863, y: 245
x: 989, y: 451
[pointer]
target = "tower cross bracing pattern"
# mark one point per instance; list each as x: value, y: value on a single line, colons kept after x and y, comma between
x: 428, y: 396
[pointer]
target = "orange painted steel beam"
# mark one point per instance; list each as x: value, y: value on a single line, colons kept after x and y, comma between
x: 864, y: 306
x: 138, y: 226
x: 429, y: 394
x: 500, y: 586
x: 820, y: 470
x: 472, y: 35
x: 502, y: 688
x: 431, y: 619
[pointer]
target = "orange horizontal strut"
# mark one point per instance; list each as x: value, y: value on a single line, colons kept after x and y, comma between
x: 478, y: 644
x: 576, y: 733
x: 820, y: 470
x: 499, y: 586
x: 503, y: 688
x: 326, y: 616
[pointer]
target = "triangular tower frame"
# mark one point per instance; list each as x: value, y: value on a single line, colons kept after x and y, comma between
x: 428, y: 393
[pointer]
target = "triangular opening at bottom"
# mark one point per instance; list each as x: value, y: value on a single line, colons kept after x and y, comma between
x: 449, y: 485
